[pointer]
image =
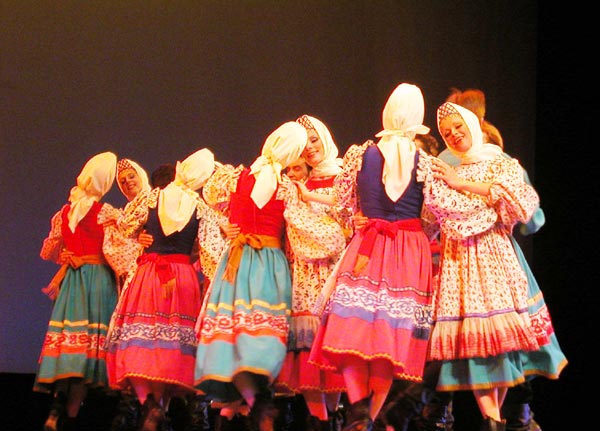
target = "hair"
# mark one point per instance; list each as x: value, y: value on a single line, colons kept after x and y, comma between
x: 162, y: 175
x: 474, y: 100
x: 430, y: 143
x: 471, y: 98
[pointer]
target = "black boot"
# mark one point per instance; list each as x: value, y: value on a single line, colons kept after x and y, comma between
x: 57, y: 413
x: 224, y: 424
x: 153, y: 415
x: 519, y: 417
x: 264, y: 413
x: 399, y: 412
x: 359, y: 416
x: 490, y: 424
x: 70, y: 424
x: 197, y: 414
x: 285, y: 416
x: 128, y: 412
x: 437, y: 413
x: 337, y: 419
x: 313, y: 423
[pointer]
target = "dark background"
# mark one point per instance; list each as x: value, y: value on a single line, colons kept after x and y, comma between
x: 156, y: 80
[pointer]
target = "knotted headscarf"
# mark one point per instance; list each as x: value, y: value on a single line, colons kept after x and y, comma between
x: 331, y: 164
x: 402, y: 119
x: 282, y: 147
x: 479, y: 150
x: 177, y: 201
x: 130, y: 164
x: 94, y: 181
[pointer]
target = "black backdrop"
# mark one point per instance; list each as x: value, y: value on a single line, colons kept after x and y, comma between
x: 156, y: 80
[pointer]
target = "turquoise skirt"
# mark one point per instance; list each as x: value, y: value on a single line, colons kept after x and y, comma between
x: 512, y: 368
x: 74, y: 342
x: 245, y: 325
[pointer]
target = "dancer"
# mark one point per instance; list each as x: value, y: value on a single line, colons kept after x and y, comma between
x: 298, y: 170
x: 485, y: 337
x: 152, y: 344
x: 317, y: 237
x: 71, y: 360
x: 244, y: 325
x: 377, y: 318
x: 120, y: 251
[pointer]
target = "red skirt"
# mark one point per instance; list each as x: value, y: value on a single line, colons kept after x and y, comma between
x: 380, y: 307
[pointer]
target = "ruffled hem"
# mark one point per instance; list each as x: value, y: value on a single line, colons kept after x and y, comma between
x: 480, y: 337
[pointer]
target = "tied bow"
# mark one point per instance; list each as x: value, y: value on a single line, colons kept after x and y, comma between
x: 237, y: 246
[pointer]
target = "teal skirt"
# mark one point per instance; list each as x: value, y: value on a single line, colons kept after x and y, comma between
x: 511, y: 369
x: 74, y: 342
x: 245, y: 325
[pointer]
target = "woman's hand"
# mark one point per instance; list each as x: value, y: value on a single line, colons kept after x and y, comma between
x: 65, y: 256
x: 145, y: 239
x: 359, y: 220
x: 231, y: 230
x: 444, y: 171
x: 302, y: 190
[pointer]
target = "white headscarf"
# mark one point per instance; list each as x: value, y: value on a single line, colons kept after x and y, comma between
x: 94, y: 181
x: 479, y: 150
x: 130, y: 164
x: 331, y: 164
x: 402, y: 119
x: 177, y: 201
x: 283, y: 146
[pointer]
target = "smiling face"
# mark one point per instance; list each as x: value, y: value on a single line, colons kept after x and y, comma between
x: 314, y: 151
x: 130, y: 183
x: 456, y: 134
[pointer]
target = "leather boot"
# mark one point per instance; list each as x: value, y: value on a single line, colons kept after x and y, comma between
x: 263, y: 412
x: 437, y: 413
x: 224, y: 424
x: 69, y: 424
x: 153, y: 415
x: 359, y: 418
x: 399, y: 412
x: 128, y: 412
x: 490, y: 424
x: 519, y: 417
x: 285, y: 416
x: 336, y: 420
x: 57, y: 413
x: 313, y: 423
x: 197, y: 413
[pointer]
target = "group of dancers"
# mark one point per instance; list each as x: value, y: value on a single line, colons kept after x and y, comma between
x: 321, y: 287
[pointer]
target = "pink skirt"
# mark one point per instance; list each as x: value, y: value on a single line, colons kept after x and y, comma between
x: 380, y: 306
x: 152, y: 333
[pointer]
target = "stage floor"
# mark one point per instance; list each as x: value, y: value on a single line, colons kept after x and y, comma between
x: 26, y: 410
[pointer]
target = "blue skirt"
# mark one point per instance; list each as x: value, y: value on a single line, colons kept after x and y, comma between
x: 74, y: 342
x: 512, y: 368
x: 245, y: 325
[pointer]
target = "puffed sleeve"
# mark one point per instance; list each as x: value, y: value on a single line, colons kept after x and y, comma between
x: 211, y: 240
x: 538, y: 219
x: 53, y: 243
x: 345, y: 181
x: 221, y: 184
x: 121, y: 252
x: 513, y: 199
x: 459, y: 214
x: 429, y: 221
x: 312, y: 232
x: 135, y: 213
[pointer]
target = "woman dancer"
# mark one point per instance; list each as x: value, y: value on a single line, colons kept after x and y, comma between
x: 485, y: 335
x: 71, y: 360
x: 376, y: 323
x: 152, y: 343
x: 244, y: 326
